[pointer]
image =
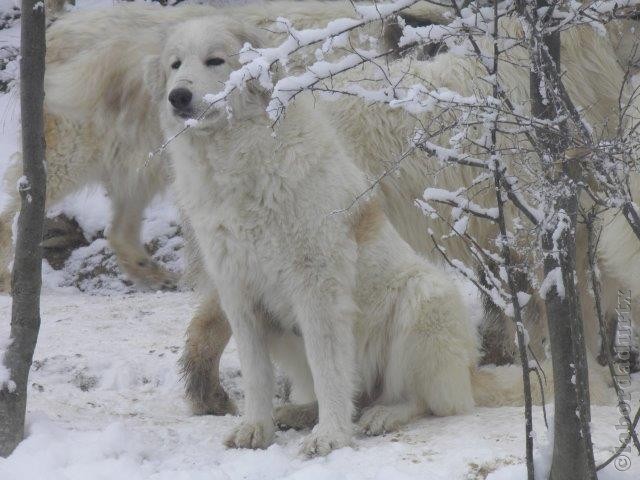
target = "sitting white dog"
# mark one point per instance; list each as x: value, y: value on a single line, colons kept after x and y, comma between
x: 339, y: 299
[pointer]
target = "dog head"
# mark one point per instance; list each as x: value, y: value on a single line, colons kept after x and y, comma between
x: 197, y: 59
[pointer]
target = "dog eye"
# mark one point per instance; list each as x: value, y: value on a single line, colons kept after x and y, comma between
x: 176, y: 65
x: 214, y: 61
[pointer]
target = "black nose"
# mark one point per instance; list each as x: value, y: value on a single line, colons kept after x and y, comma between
x: 180, y: 98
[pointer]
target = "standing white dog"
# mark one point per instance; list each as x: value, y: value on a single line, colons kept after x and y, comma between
x: 296, y: 280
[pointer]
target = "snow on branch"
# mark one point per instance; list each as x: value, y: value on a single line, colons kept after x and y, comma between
x: 469, y: 21
x: 455, y: 199
x: 288, y: 88
x: 258, y: 63
x: 594, y: 13
x: 553, y: 279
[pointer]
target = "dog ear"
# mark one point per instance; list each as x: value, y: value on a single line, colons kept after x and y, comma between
x: 247, y: 35
x: 154, y: 76
x: 254, y: 37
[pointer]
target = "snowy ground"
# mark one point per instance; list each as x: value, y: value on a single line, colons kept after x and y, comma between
x: 106, y: 402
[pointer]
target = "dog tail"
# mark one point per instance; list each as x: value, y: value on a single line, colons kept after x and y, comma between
x: 503, y: 386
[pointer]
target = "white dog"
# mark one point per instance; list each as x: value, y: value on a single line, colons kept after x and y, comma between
x: 100, y: 127
x: 339, y: 300
x: 100, y: 123
x: 104, y: 133
x: 593, y: 78
x: 594, y: 88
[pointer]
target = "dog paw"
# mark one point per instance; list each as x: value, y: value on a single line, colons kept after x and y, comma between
x: 216, y: 403
x: 298, y: 417
x: 149, y: 273
x: 251, y: 435
x: 321, y: 442
x: 379, y: 419
x: 159, y: 277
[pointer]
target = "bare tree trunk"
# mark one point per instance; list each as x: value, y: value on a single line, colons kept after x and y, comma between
x: 572, y: 449
x: 27, y: 275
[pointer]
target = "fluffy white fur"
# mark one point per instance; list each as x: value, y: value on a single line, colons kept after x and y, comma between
x: 593, y: 77
x: 112, y: 129
x: 101, y: 124
x: 338, y: 299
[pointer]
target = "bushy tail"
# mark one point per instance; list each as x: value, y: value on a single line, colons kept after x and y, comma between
x: 502, y: 386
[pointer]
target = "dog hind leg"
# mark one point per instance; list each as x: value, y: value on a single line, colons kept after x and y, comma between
x: 207, y: 336
x: 428, y: 359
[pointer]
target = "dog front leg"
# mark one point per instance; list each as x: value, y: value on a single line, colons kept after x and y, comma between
x: 124, y: 236
x: 247, y: 320
x: 326, y: 320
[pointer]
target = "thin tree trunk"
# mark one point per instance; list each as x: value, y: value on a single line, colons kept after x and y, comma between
x: 572, y: 449
x: 27, y: 278
x: 505, y: 252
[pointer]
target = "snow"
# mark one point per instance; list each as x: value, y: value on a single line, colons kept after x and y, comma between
x: 5, y: 373
x: 105, y: 403
x: 105, y: 397
x: 90, y: 208
x: 257, y: 62
x: 457, y: 199
x: 553, y: 279
x: 287, y: 88
x: 8, y: 5
x: 461, y: 225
